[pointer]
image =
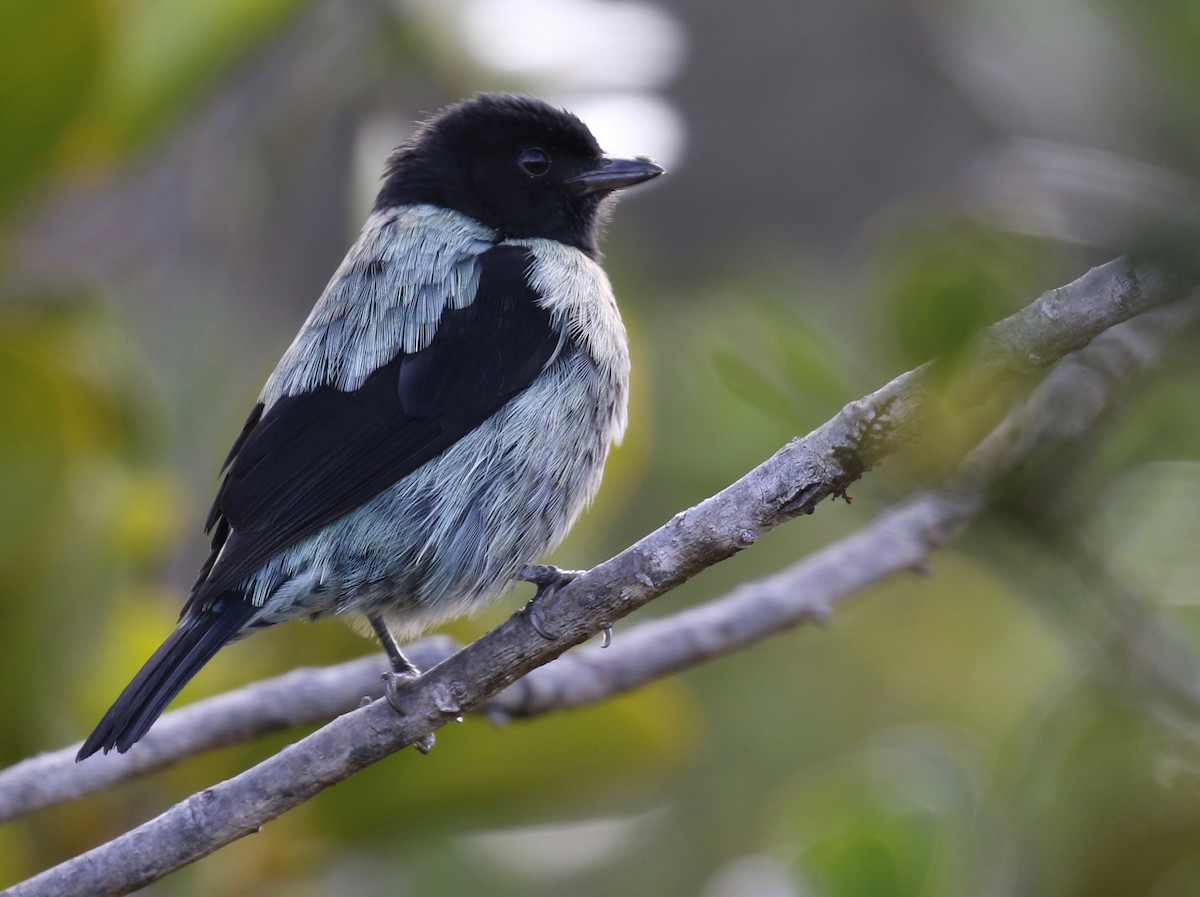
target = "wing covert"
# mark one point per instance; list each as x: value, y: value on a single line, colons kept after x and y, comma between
x: 312, y: 457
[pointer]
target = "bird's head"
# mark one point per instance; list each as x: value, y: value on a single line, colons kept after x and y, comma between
x: 515, y: 164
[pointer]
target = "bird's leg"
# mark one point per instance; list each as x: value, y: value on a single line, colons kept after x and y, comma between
x: 402, y: 667
x: 403, y: 671
x: 549, y: 580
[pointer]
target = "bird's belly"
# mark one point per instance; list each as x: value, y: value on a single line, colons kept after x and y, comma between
x: 452, y: 534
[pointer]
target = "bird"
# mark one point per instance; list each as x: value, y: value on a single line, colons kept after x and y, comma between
x: 443, y: 415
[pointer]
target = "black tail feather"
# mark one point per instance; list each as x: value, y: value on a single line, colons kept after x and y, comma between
x: 193, y: 644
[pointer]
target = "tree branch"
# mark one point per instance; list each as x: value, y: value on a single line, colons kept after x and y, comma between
x: 301, y: 697
x: 788, y: 484
x: 1074, y: 398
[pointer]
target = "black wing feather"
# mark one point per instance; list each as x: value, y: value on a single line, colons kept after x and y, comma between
x: 311, y: 458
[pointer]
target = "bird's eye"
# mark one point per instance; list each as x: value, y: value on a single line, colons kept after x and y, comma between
x: 534, y: 161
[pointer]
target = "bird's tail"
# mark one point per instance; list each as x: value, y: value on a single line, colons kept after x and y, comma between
x: 200, y: 635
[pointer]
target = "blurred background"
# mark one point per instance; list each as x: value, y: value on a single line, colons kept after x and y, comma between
x: 853, y: 189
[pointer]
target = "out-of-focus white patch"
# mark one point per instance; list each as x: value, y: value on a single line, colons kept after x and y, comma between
x: 576, y: 43
x: 753, y: 876
x: 604, y: 61
x: 565, y: 848
x: 631, y: 124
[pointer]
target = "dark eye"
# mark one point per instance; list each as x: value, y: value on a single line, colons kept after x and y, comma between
x: 535, y: 161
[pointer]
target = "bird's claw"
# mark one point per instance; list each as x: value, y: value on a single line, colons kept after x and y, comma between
x: 395, y: 681
x: 549, y: 580
x: 536, y: 619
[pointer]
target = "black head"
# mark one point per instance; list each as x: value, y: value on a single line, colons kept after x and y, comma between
x: 513, y: 163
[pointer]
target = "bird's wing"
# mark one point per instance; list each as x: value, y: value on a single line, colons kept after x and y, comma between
x: 312, y: 457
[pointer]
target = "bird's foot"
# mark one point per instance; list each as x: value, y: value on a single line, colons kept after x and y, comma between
x: 549, y: 580
x: 395, y: 681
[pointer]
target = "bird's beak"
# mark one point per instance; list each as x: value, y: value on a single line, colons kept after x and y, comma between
x: 613, y: 174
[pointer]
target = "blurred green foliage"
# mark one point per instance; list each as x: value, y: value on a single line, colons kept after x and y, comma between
x: 939, y: 281
x: 916, y: 799
x: 51, y: 55
x: 85, y: 83
x: 162, y: 54
x: 1167, y: 32
x: 1023, y: 721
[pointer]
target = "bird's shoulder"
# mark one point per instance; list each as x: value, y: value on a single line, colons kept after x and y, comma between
x: 409, y: 265
x: 324, y: 440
